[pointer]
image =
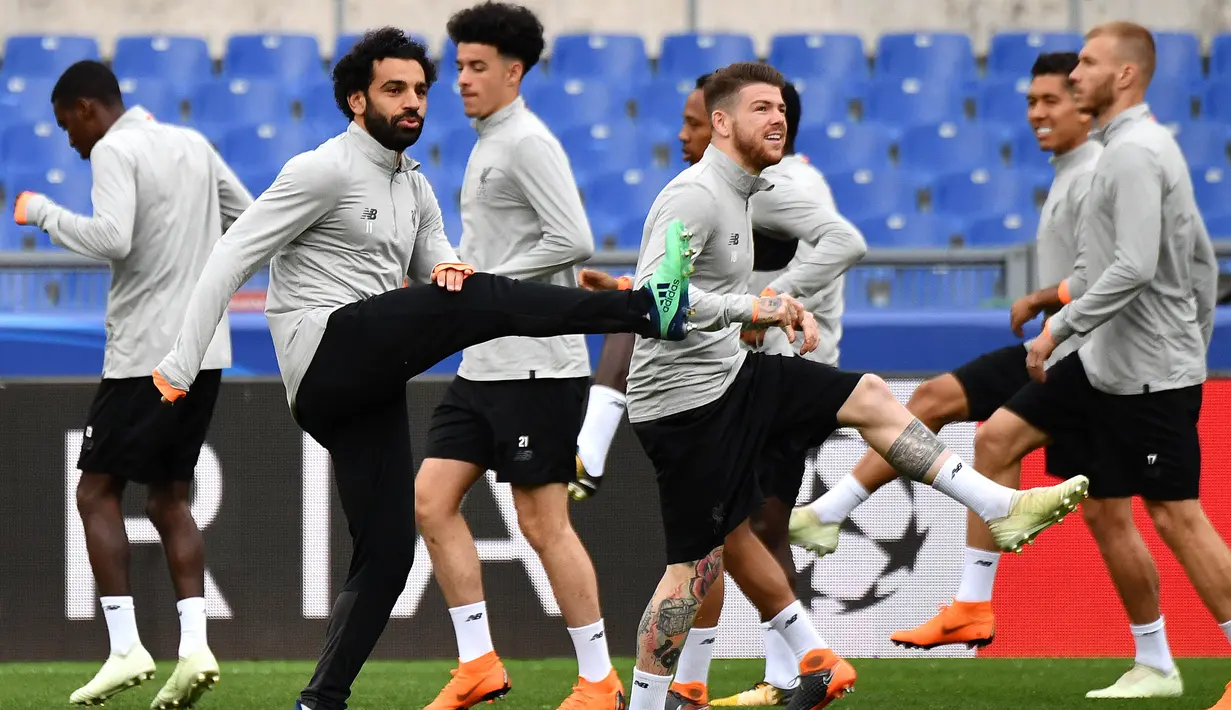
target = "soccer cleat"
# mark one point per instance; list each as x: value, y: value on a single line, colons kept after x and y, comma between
x: 688, y: 696
x: 823, y: 678
x: 192, y: 677
x: 1035, y: 510
x: 761, y: 695
x: 481, y: 680
x: 606, y: 694
x: 668, y: 285
x: 1225, y: 702
x: 1143, y: 682
x: 586, y: 485
x: 810, y: 533
x: 118, y: 674
x: 971, y: 623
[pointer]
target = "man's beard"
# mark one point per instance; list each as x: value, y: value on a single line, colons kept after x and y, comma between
x: 386, y: 131
x: 754, y: 149
x: 1099, y: 100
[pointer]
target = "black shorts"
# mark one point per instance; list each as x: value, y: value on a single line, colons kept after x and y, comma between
x: 782, y: 474
x: 131, y: 434
x: 705, y: 459
x: 993, y: 379
x: 524, y: 430
x: 1133, y: 445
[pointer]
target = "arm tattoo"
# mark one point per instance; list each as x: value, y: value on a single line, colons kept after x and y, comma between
x: 666, y: 621
x: 915, y: 451
x: 766, y: 307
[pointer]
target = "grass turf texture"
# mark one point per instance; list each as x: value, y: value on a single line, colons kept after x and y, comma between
x: 887, y: 683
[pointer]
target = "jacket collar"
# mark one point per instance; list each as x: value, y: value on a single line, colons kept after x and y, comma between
x: 1076, y: 156
x: 379, y: 155
x: 483, y: 125
x: 744, y: 182
x: 1127, y: 117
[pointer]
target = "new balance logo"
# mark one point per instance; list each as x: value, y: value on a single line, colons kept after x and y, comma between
x: 112, y: 607
x: 369, y: 218
x: 706, y: 642
x: 369, y: 214
x: 734, y: 240
x: 641, y: 684
x: 956, y: 468
x: 597, y: 636
x: 983, y: 563
x: 792, y: 620
x: 475, y: 617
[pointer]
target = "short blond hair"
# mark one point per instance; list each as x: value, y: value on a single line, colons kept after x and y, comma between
x: 1135, y: 43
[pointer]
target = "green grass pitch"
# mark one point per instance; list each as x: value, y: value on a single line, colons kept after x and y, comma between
x: 964, y: 684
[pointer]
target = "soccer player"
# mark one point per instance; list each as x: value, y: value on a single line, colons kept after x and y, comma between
x: 706, y: 411
x: 345, y: 224
x: 973, y: 391
x: 515, y: 406
x: 161, y: 197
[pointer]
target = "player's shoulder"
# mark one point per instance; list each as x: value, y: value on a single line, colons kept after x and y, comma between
x: 529, y: 134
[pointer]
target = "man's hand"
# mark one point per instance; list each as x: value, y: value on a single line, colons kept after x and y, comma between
x: 1024, y: 310
x: 450, y: 275
x: 594, y: 280
x: 779, y: 312
x: 21, y: 207
x: 812, y: 333
x: 169, y: 393
x: 753, y: 338
x: 1041, y: 348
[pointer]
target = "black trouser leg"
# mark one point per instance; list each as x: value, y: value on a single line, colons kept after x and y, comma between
x: 374, y: 471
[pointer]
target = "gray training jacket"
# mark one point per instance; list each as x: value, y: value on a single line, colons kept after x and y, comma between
x: 1144, y: 285
x: 162, y: 197
x: 344, y: 222
x: 522, y: 218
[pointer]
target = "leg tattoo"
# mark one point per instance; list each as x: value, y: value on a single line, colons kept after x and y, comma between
x: 915, y: 451
x: 666, y: 621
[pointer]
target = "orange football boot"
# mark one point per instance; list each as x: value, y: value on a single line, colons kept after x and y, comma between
x: 971, y: 623
x: 606, y: 694
x: 482, y: 680
x: 1225, y: 702
x: 823, y: 678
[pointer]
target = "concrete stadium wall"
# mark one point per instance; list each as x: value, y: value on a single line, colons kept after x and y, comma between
x: 216, y: 19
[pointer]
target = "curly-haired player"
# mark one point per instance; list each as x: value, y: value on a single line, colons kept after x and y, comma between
x: 516, y: 404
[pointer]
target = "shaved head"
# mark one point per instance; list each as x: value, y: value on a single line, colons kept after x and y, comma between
x: 1133, y: 45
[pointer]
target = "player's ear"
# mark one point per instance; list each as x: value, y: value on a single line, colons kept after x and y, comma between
x: 358, y: 102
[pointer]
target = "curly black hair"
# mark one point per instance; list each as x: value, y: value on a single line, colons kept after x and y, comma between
x: 512, y: 29
x: 1058, y: 63
x: 353, y: 72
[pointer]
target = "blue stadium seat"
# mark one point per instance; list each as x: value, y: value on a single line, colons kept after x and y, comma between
x: 69, y: 186
x: 1218, y: 224
x: 1220, y: 56
x: 1024, y: 150
x: 819, y: 54
x: 1212, y: 188
x: 824, y: 100
x: 1171, y: 102
x: 269, y: 145
x: 257, y: 178
x: 1205, y: 143
x: 25, y: 99
x: 183, y: 62
x: 905, y: 229
x: 156, y: 95
x: 925, y: 54
x: 661, y: 101
x: 575, y: 102
x: 1216, y: 105
x: 863, y: 193
x: 614, y: 57
x: 317, y: 106
x: 630, y: 192
x: 605, y: 147
x: 453, y: 225
x: 1013, y: 53
x: 446, y: 182
x: 977, y: 193
x: 688, y: 55
x: 662, y: 144
x: 288, y: 58
x: 38, y: 145
x: 455, y: 147
x: 905, y: 102
x: 240, y: 101
x: 845, y: 146
x: 948, y: 147
x: 1178, y: 59
x: 607, y: 228
x: 46, y: 55
x: 1003, y: 101
x: 1002, y: 230
x: 444, y: 106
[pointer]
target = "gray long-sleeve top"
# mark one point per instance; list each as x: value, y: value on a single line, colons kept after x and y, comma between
x: 162, y: 197
x: 346, y: 221
x: 522, y: 218
x: 1144, y: 285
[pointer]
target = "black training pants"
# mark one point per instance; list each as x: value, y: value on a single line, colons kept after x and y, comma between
x: 352, y: 400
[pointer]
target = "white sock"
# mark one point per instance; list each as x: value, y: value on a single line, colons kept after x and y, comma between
x: 1226, y: 629
x: 121, y: 623
x: 192, y: 625
x: 603, y: 415
x: 474, y: 637
x: 694, y: 663
x: 593, y: 660
x: 797, y: 630
x: 1152, y: 649
x: 978, y: 575
x: 838, y: 502
x: 781, y: 668
x: 961, y: 482
x: 649, y: 691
